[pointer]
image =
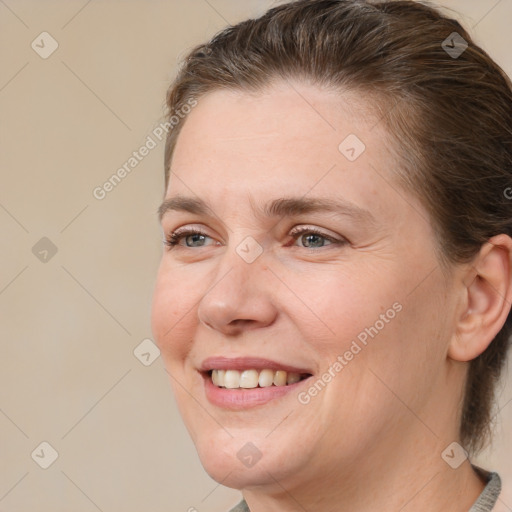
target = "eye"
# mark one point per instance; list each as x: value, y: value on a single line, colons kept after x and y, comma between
x: 314, y: 238
x: 194, y: 237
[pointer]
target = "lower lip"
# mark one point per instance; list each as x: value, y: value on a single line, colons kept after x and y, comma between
x: 237, y: 399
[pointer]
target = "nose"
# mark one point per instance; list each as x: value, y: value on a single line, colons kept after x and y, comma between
x: 239, y: 298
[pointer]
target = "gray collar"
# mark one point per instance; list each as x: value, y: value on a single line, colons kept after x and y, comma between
x: 489, y: 496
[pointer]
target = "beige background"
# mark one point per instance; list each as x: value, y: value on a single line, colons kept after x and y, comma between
x: 69, y: 325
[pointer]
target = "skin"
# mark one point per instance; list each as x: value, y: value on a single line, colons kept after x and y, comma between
x: 372, y: 439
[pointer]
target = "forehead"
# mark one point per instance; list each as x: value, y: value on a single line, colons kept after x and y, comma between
x: 289, y: 139
x: 291, y: 112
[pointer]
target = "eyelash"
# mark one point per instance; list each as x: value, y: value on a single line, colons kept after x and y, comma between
x: 176, y: 236
x: 173, y: 239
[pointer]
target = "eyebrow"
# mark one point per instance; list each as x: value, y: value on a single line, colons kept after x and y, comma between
x: 282, y: 207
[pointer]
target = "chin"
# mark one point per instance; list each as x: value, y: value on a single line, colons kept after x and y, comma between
x: 222, y: 460
x: 238, y: 477
x: 246, y: 460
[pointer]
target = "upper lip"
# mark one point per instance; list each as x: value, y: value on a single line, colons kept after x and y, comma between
x: 247, y: 363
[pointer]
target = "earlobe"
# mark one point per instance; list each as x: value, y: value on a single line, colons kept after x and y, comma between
x: 488, y: 299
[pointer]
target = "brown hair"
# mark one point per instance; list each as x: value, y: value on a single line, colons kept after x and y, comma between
x: 449, y: 116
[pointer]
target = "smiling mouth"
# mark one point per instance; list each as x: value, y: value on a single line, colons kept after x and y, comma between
x: 252, y: 378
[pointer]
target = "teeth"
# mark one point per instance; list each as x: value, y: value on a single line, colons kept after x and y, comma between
x: 280, y: 378
x: 250, y: 379
x: 266, y: 378
x: 292, y: 378
x: 232, y: 379
x: 218, y: 377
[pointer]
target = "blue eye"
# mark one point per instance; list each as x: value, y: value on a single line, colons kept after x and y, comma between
x: 313, y: 238
x: 192, y: 235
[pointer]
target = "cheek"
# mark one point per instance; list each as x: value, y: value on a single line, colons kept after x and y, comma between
x: 341, y: 305
x: 172, y: 313
x: 374, y: 323
x: 403, y: 358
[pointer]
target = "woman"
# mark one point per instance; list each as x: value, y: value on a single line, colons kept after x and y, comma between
x: 333, y: 302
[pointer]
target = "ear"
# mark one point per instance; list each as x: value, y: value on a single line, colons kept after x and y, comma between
x: 487, y: 299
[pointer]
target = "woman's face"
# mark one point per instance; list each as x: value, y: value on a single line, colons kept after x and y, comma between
x: 348, y: 294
